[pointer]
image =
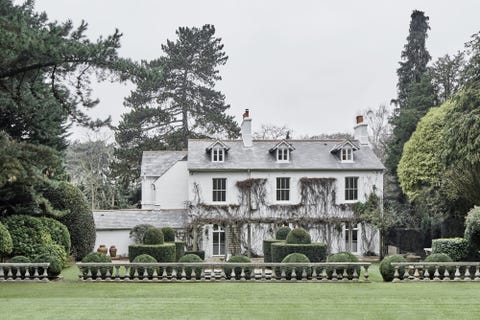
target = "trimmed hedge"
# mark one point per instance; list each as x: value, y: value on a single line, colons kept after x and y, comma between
x: 238, y: 270
x: 54, y: 254
x: 199, y: 253
x: 292, y: 258
x: 188, y: 270
x: 58, y: 231
x: 179, y: 250
x: 6, y: 243
x: 79, y: 219
x: 153, y: 236
x: 439, y: 257
x: 472, y: 230
x: 298, y: 236
x: 282, y: 233
x: 28, y: 235
x: 168, y: 234
x: 316, y: 252
x: 387, y: 270
x: 343, y: 257
x: 267, y: 249
x: 455, y: 248
x: 97, y: 257
x: 140, y: 270
x: 138, y: 232
x: 161, y: 252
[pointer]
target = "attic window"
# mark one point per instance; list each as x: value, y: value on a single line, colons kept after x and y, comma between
x: 347, y: 154
x: 283, y: 154
x: 218, y: 154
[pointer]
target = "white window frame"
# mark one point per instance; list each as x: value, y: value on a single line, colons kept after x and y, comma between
x: 347, y: 154
x: 218, y: 154
x: 351, y: 189
x: 282, y: 188
x: 218, y: 247
x: 351, y: 233
x: 283, y: 154
x: 218, y: 191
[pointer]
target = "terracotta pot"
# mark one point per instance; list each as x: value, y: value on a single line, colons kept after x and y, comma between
x: 102, y: 248
x: 113, y: 251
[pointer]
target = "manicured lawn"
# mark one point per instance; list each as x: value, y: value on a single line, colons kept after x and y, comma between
x: 72, y: 300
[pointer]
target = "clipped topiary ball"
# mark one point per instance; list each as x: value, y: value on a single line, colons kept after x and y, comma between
x: 298, y: 236
x: 6, y: 243
x: 54, y: 254
x: 143, y: 258
x: 343, y: 257
x: 439, y: 257
x: 96, y: 257
x: 282, y: 233
x: 387, y: 270
x: 292, y: 258
x: 238, y: 270
x: 153, y: 236
x: 188, y: 270
x: 168, y: 234
x: 472, y: 230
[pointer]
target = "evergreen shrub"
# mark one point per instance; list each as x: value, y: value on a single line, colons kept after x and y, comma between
x: 161, y: 252
x: 282, y: 233
x: 292, y: 258
x: 58, y: 231
x: 179, y: 249
x: 188, y: 270
x: 387, y: 270
x: 316, y: 252
x: 472, y: 231
x: 267, y: 249
x: 298, y: 236
x: 143, y: 258
x: 439, y: 257
x: 200, y: 253
x: 54, y: 254
x: 97, y: 257
x: 238, y: 270
x: 6, y: 243
x: 343, y: 257
x: 455, y: 248
x: 153, y: 236
x: 138, y: 232
x: 168, y: 234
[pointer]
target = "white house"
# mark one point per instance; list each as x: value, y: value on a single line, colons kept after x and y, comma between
x: 232, y: 194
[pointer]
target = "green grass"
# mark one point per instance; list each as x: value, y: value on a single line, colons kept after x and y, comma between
x: 70, y: 299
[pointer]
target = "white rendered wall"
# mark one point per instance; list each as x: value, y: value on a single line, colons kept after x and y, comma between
x: 171, y: 187
x: 119, y: 238
x: 148, y: 195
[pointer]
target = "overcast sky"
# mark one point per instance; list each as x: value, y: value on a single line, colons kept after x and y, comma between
x: 310, y: 65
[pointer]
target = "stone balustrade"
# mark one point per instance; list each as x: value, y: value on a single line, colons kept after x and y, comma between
x: 23, y: 272
x: 221, y: 272
x: 436, y: 271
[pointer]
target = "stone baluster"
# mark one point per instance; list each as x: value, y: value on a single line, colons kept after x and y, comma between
x: 89, y: 273
x: 366, y: 274
x: 283, y: 275
x: 18, y: 274
x: 202, y: 274
x: 436, y: 275
x: 467, y: 276
x: 334, y: 274
x: 174, y: 274
x: 345, y: 274
x: 193, y: 275
x: 406, y: 274
x: 2, y: 274
x: 304, y: 274
x: 183, y: 274
x: 223, y: 276
x: 396, y: 274
x: 446, y: 275
x: 324, y: 274
x: 314, y: 274
x: 127, y: 273
x: 145, y: 276
x: 108, y: 275
x: 117, y: 273
x: 98, y: 276
x: 355, y: 274
x: 27, y: 273
x: 45, y: 274
x: 416, y: 273
x: 9, y: 274
x: 426, y: 274
x: 164, y: 274
x: 477, y: 273
x: 242, y: 274
x: 294, y: 274
x: 263, y: 274
x: 457, y: 274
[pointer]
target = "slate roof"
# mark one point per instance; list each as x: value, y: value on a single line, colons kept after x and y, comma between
x: 308, y: 155
x: 156, y: 163
x: 127, y: 219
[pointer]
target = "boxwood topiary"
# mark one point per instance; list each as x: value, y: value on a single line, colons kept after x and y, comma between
x: 161, y: 252
x: 20, y: 259
x: 200, y: 253
x: 28, y: 234
x: 6, y: 243
x: 138, y: 232
x: 58, y: 231
x: 343, y: 257
x: 293, y: 258
x: 188, y: 270
x: 387, y: 270
x: 153, y: 236
x: 439, y: 257
x: 97, y: 257
x: 282, y: 233
x: 143, y: 258
x: 168, y: 234
x: 472, y: 231
x: 455, y: 248
x: 316, y: 252
x: 54, y: 254
x: 179, y: 250
x: 267, y: 249
x: 298, y: 236
x: 238, y: 270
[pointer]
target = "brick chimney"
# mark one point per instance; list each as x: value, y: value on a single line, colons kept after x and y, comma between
x: 246, y: 129
x: 360, y: 131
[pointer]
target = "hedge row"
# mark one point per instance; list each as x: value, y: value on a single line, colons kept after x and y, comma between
x: 267, y: 249
x: 316, y: 252
x: 179, y: 250
x: 199, y: 253
x: 161, y: 252
x: 455, y: 248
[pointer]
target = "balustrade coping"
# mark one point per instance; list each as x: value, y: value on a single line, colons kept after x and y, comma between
x: 7, y: 274
x: 432, y: 264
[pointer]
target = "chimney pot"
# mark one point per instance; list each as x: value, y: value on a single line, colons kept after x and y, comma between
x: 246, y: 114
x: 359, y: 119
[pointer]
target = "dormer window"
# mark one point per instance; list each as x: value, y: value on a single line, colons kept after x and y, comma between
x: 217, y: 151
x: 347, y: 154
x: 283, y: 154
x: 218, y: 154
